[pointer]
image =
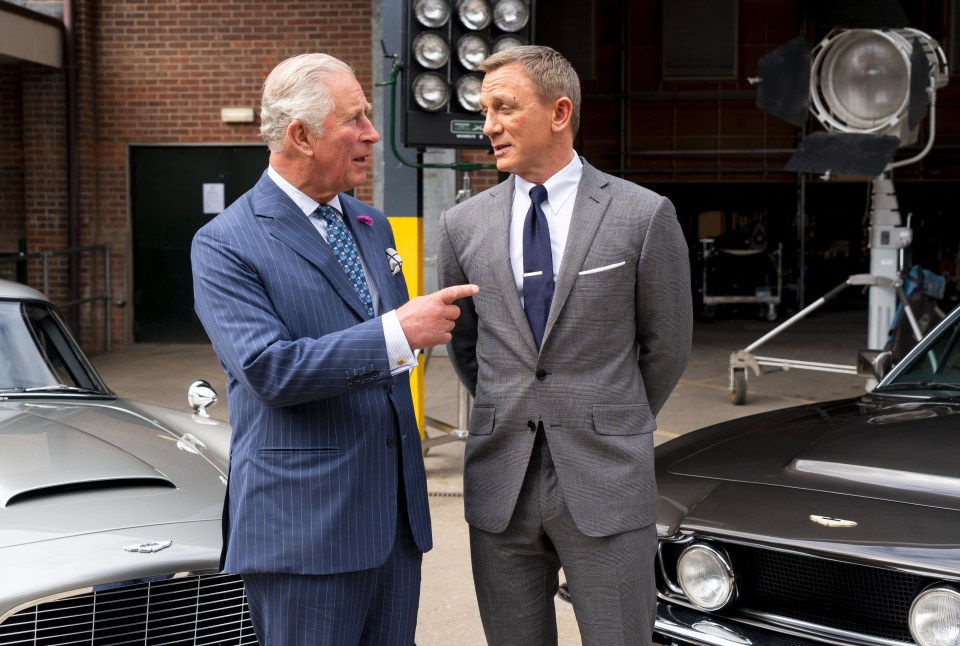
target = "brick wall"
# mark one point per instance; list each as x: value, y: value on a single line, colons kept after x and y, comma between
x: 164, y: 69
x: 12, y: 225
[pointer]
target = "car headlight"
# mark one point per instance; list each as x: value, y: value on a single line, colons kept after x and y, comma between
x: 705, y: 576
x: 935, y: 617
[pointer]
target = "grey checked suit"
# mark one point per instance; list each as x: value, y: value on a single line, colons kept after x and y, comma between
x: 616, y: 342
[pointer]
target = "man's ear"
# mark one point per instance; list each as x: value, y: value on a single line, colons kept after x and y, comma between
x: 299, y: 137
x: 562, y: 114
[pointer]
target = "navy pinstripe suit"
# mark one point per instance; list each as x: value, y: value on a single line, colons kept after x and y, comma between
x: 317, y: 417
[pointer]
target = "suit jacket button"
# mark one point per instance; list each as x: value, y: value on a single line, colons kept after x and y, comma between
x: 391, y: 441
x: 541, y: 374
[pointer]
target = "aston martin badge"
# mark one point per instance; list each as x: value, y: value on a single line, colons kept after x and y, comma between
x: 829, y: 521
x: 148, y: 548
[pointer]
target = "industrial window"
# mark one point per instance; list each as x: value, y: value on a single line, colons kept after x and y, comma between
x: 700, y: 39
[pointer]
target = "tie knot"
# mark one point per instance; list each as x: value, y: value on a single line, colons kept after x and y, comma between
x: 538, y: 194
x: 328, y: 213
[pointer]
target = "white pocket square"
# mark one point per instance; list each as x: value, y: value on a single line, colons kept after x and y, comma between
x: 394, y: 260
x: 597, y: 270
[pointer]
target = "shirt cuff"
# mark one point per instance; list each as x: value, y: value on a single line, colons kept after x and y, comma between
x: 401, y: 357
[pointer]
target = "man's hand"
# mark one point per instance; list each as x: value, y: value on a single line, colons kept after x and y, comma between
x: 428, y: 320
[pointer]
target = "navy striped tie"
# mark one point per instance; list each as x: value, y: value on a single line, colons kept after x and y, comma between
x: 537, y: 265
x: 345, y: 249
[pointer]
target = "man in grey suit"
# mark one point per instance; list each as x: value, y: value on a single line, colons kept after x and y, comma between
x: 299, y: 288
x: 580, y: 331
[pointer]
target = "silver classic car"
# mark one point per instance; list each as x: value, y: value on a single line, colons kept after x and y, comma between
x: 109, y: 509
x: 831, y: 523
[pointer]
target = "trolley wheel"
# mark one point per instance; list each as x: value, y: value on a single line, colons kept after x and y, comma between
x: 739, y: 395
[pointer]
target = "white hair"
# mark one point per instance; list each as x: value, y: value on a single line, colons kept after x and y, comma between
x: 297, y: 89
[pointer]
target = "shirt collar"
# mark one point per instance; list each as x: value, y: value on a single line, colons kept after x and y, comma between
x: 559, y: 187
x: 303, y: 201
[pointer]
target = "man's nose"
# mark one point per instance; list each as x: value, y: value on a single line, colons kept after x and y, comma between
x: 489, y: 124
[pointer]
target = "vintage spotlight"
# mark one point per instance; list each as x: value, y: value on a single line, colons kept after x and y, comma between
x: 445, y: 41
x: 870, y: 89
x: 875, y: 81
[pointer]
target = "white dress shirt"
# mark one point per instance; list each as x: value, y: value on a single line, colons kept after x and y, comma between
x: 398, y: 350
x: 558, y: 207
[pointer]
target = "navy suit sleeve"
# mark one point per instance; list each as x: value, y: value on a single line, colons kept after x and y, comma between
x: 276, y: 364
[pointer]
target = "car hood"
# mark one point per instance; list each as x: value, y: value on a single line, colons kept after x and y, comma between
x: 71, y: 469
x: 885, y: 467
x: 897, y: 451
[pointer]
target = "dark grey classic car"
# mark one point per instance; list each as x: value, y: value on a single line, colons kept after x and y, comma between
x: 109, y: 509
x: 834, y: 523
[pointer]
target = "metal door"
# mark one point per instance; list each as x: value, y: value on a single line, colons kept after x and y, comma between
x: 171, y: 187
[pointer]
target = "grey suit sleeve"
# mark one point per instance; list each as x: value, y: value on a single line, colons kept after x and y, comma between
x: 463, y: 347
x: 664, y: 305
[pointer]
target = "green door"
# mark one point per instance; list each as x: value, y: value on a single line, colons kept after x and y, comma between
x: 174, y: 191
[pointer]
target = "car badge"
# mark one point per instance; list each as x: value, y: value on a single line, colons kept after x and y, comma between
x: 829, y: 521
x: 148, y: 548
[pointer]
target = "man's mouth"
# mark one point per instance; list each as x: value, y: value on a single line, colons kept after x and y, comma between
x: 499, y: 148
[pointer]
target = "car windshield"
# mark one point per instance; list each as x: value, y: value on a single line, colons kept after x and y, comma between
x: 37, y: 355
x: 937, y: 368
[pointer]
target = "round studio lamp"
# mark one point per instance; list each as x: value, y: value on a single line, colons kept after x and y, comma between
x: 860, y: 80
x: 510, y: 15
x: 471, y: 50
x: 474, y: 14
x: 432, y: 13
x: 431, y: 91
x: 506, y: 42
x: 431, y: 50
x: 468, y: 92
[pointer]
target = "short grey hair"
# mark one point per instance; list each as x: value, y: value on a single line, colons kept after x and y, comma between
x: 553, y: 76
x: 297, y: 89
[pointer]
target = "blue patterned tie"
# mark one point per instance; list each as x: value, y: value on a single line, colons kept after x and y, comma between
x: 345, y: 249
x: 537, y: 265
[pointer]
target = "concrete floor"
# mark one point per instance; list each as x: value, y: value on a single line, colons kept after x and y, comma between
x: 160, y: 374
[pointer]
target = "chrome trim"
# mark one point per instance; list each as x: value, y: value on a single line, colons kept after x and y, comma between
x: 76, y: 592
x: 670, y: 583
x: 749, y: 628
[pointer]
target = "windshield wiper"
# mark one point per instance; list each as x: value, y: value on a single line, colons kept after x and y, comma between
x: 921, y: 385
x: 58, y: 388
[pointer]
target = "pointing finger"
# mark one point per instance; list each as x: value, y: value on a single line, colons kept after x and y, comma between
x: 455, y: 292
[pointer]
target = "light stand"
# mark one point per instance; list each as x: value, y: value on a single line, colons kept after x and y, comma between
x: 870, y: 88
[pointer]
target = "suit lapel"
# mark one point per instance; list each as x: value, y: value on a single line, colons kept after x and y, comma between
x: 592, y: 202
x: 291, y: 227
x: 498, y: 251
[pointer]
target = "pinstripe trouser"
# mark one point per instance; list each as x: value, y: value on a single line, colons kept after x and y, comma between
x: 515, y: 572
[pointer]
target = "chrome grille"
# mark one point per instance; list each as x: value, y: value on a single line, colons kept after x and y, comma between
x: 833, y: 595
x: 197, y: 610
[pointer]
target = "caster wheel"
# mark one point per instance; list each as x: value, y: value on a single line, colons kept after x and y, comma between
x: 739, y: 395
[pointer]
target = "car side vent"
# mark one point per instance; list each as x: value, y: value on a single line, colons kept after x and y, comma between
x: 54, y: 491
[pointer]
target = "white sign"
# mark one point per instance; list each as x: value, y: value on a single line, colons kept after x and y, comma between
x: 213, y: 198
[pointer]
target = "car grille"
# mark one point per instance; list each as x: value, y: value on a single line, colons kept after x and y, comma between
x: 835, y: 595
x: 198, y: 610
